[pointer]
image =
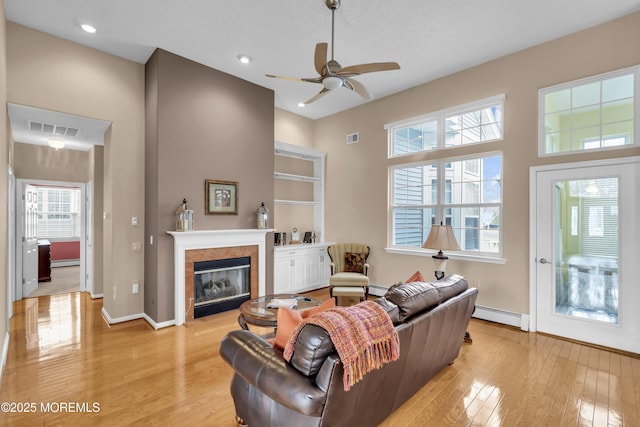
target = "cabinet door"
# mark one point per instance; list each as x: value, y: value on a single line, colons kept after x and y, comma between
x: 282, y: 275
x: 318, y: 267
x: 298, y: 272
x: 325, y: 269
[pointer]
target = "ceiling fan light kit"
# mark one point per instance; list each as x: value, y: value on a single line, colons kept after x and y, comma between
x: 332, y: 74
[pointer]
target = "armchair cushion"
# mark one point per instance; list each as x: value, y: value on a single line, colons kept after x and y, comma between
x: 354, y: 262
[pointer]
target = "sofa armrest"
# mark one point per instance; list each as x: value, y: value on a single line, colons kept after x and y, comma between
x: 263, y: 366
x: 332, y: 265
x: 365, y: 269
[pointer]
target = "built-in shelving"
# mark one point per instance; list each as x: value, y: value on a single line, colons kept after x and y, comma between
x: 314, y: 179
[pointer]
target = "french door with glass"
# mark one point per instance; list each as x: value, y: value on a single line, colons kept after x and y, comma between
x: 586, y: 247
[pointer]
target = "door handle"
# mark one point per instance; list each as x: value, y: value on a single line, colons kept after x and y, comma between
x: 544, y: 261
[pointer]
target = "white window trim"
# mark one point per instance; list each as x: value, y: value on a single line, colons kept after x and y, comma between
x: 592, y: 79
x: 440, y: 116
x: 460, y: 255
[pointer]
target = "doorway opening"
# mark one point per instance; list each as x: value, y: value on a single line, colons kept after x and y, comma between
x: 51, y: 230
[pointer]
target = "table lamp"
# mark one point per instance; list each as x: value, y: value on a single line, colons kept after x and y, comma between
x: 441, y: 238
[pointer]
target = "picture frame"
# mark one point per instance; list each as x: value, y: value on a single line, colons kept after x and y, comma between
x: 221, y: 197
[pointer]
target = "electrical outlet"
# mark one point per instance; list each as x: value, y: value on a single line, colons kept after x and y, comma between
x: 135, y: 288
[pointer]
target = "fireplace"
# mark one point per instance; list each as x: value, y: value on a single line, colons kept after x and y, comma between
x: 220, y: 285
x: 191, y: 247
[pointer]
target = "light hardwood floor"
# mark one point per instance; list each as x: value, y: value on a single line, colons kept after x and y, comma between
x: 61, y: 350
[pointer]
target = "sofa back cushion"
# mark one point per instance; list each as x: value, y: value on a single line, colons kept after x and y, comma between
x: 311, y: 349
x: 412, y: 298
x: 450, y: 286
x: 415, y: 297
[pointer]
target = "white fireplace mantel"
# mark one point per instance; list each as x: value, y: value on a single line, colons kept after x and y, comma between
x: 206, y: 239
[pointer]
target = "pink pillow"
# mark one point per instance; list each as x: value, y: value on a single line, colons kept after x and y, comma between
x: 416, y: 277
x: 288, y: 320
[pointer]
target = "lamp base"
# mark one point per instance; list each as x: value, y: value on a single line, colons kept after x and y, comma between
x: 439, y: 275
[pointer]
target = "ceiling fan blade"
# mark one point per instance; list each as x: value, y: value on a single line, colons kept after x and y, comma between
x: 358, y: 87
x: 320, y: 57
x: 317, y: 96
x: 354, y: 70
x: 296, y: 79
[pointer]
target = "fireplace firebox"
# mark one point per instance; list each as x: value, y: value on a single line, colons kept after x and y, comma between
x: 220, y: 285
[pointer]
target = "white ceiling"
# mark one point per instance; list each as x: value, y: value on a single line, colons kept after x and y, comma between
x: 428, y: 38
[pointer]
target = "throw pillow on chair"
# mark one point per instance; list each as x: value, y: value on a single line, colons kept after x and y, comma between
x: 354, y: 262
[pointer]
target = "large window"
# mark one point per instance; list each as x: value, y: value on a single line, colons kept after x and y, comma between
x: 465, y: 193
x: 596, y: 113
x: 472, y: 123
x: 58, y: 212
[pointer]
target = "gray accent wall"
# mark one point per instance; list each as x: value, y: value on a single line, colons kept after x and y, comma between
x: 200, y: 124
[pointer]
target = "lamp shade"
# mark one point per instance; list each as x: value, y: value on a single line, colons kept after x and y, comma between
x: 441, y: 238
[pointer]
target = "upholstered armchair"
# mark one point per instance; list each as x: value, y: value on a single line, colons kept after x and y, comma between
x: 349, y: 266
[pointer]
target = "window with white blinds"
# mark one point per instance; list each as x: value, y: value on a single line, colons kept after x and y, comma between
x: 465, y: 193
x: 58, y: 212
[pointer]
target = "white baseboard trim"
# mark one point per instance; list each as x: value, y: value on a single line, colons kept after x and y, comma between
x: 149, y: 320
x: 157, y: 325
x: 5, y: 352
x: 95, y: 296
x: 519, y: 320
x: 65, y: 263
x: 112, y: 321
x: 502, y: 316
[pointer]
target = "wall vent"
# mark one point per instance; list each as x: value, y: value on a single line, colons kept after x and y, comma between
x: 352, y: 138
x: 53, y: 129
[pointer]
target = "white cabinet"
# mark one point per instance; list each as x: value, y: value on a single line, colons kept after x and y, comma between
x: 300, y: 268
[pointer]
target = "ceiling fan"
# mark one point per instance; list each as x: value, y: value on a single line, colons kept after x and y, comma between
x: 332, y: 74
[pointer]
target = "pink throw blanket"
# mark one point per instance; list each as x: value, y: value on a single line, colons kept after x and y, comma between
x: 363, y: 335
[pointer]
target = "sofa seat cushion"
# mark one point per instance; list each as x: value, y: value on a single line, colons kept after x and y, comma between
x: 344, y: 279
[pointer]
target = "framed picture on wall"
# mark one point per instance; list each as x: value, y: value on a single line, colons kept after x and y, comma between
x: 221, y: 197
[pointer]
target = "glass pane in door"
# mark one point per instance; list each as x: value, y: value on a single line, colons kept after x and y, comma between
x: 587, y: 247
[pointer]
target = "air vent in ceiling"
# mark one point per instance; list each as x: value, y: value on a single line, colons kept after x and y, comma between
x: 53, y: 129
x: 352, y: 138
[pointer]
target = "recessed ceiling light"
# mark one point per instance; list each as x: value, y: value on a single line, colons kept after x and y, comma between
x: 301, y: 104
x: 88, y: 28
x: 245, y: 59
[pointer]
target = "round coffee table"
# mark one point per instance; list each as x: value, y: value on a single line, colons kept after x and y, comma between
x: 255, y: 311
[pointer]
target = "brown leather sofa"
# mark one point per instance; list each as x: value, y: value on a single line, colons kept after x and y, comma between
x: 431, y: 320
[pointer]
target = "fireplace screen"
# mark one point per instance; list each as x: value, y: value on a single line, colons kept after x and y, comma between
x: 221, y: 285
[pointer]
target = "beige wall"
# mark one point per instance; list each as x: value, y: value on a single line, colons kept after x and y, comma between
x: 356, y: 208
x: 201, y: 124
x: 294, y: 129
x: 63, y: 76
x: 46, y: 163
x: 4, y: 161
